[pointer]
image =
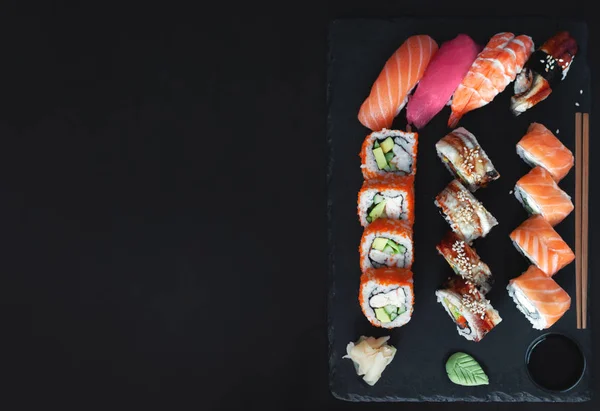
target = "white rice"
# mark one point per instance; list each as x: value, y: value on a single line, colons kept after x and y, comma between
x: 372, y: 288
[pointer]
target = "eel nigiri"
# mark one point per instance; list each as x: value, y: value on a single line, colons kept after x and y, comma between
x: 443, y: 75
x: 538, y: 241
x: 547, y: 67
x: 540, y: 194
x: 539, y: 147
x: 539, y: 297
x: 495, y: 67
x: 399, y: 76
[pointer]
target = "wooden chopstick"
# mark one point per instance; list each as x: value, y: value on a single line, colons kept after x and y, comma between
x: 578, y: 215
x: 584, y: 218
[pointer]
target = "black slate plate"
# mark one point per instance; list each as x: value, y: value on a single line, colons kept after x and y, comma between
x: 358, y: 51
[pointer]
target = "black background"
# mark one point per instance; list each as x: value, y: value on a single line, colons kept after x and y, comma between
x: 143, y: 263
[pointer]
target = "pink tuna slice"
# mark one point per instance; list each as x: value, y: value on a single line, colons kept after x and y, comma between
x: 443, y: 75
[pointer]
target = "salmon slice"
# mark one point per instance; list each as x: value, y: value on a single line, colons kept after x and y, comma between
x: 399, y: 76
x: 539, y: 147
x: 539, y: 194
x: 545, y: 301
x: 494, y: 68
x: 538, y: 241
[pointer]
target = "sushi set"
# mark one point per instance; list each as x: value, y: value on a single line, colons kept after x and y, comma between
x: 451, y: 199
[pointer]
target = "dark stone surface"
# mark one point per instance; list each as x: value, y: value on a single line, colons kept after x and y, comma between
x: 358, y: 48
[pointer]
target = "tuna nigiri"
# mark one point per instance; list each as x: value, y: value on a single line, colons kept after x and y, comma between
x: 539, y: 297
x: 399, y: 76
x: 538, y: 241
x: 546, y: 68
x: 540, y: 194
x: 495, y: 67
x: 539, y: 147
x: 443, y: 75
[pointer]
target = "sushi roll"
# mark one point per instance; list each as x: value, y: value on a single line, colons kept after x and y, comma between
x: 465, y: 261
x: 546, y: 68
x: 539, y: 147
x: 386, y: 243
x: 536, y: 239
x: 467, y: 217
x: 539, y: 194
x: 386, y: 296
x: 539, y: 297
x: 465, y: 159
x: 389, y: 152
x: 469, y: 309
x: 390, y: 197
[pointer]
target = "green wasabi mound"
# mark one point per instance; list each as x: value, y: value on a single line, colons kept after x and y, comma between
x: 462, y: 369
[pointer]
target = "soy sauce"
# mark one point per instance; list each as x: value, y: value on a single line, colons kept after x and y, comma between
x: 555, y: 362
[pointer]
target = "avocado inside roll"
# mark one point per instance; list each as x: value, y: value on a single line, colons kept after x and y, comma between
x: 386, y: 253
x: 393, y: 154
x: 385, y: 206
x: 389, y: 305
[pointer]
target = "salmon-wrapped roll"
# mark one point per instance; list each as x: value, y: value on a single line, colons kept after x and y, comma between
x: 540, y: 243
x: 539, y: 147
x: 386, y: 296
x: 386, y: 243
x: 539, y: 194
x: 390, y: 197
x: 539, y: 297
x: 389, y: 152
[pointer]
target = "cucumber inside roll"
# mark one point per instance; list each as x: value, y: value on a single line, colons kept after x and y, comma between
x: 392, y: 154
x: 386, y: 207
x: 389, y: 305
x: 528, y: 203
x: 386, y: 252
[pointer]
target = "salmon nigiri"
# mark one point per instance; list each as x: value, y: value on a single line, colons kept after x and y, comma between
x: 399, y: 76
x: 539, y: 147
x: 540, y: 194
x: 494, y: 69
x: 538, y: 241
x: 539, y: 297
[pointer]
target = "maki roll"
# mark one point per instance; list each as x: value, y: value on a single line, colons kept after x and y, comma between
x: 469, y: 309
x: 540, y: 147
x: 388, y: 152
x: 539, y: 194
x: 540, y: 243
x: 390, y: 197
x: 465, y: 261
x: 465, y: 159
x: 539, y: 297
x: 386, y: 243
x: 546, y: 68
x: 386, y: 296
x: 467, y: 217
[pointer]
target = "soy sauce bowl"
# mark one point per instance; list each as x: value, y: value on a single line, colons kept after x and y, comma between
x: 555, y: 362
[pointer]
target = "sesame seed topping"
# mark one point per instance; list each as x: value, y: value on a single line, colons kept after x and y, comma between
x: 557, y: 131
x: 510, y: 192
x: 577, y: 104
x: 580, y: 91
